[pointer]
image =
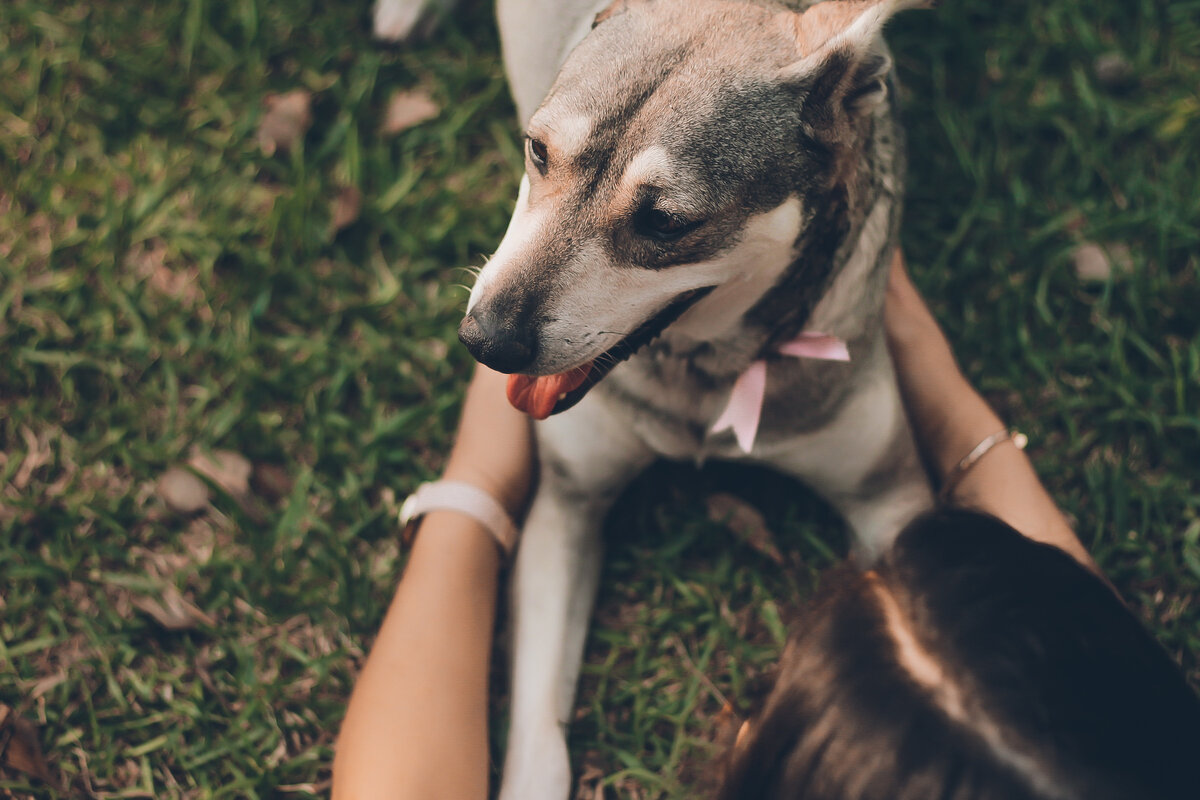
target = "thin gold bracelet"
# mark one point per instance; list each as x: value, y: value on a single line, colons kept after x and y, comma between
x: 959, y: 471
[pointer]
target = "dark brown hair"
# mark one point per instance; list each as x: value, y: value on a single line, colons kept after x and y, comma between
x: 971, y: 663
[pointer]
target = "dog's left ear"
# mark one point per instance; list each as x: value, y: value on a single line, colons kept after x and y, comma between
x: 613, y: 9
x: 841, y: 51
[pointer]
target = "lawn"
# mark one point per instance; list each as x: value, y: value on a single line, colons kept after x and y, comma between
x: 189, y: 275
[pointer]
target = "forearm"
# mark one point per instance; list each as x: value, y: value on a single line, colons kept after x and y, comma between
x: 950, y: 418
x: 416, y: 726
x: 1002, y: 482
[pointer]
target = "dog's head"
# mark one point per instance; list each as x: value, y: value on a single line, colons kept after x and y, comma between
x: 670, y: 161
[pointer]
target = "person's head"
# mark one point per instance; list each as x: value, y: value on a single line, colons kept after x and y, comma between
x: 971, y: 663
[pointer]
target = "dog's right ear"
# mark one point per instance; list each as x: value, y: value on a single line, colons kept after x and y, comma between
x: 615, y: 8
x: 841, y: 49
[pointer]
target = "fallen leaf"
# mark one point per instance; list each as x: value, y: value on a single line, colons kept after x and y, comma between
x: 225, y: 468
x: 182, y: 491
x: 37, y: 455
x: 1113, y: 71
x: 172, y: 611
x: 590, y: 783
x: 438, y: 349
x: 406, y: 109
x: 318, y: 788
x: 398, y: 22
x: 345, y: 207
x: 47, y: 683
x: 746, y: 523
x: 149, y: 260
x: 285, y: 121
x: 20, y: 749
x: 272, y: 482
x: 1094, y: 263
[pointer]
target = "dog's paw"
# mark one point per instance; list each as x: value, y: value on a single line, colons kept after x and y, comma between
x: 537, y: 769
x: 401, y: 20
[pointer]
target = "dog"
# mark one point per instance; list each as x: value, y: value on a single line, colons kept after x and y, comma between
x: 707, y: 183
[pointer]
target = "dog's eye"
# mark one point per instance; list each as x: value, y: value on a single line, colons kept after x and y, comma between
x: 537, y: 152
x: 663, y: 225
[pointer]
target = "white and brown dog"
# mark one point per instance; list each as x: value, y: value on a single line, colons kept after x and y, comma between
x: 710, y: 185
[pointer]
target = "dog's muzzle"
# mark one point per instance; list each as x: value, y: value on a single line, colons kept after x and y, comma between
x: 539, y: 396
x: 504, y: 344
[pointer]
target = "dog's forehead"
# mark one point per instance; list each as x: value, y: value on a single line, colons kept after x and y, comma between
x: 669, y: 58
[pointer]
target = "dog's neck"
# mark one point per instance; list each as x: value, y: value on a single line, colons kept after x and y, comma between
x: 833, y: 282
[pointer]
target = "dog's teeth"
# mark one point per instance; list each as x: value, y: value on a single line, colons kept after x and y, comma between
x: 562, y: 396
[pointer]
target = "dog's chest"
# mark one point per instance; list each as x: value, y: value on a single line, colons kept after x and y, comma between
x: 673, y: 400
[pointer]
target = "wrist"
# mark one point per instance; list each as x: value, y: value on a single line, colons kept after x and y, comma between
x: 960, y: 431
x: 511, y: 495
x: 459, y: 536
x: 464, y: 499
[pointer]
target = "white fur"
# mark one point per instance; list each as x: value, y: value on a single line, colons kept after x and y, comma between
x: 568, y: 133
x: 536, y: 36
x: 649, y: 166
x: 836, y: 459
x: 523, y: 225
x: 745, y: 272
x: 559, y: 560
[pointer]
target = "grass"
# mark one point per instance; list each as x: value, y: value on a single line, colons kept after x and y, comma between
x: 165, y: 285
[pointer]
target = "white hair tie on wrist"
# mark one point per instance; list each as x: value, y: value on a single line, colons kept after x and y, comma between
x: 465, y: 499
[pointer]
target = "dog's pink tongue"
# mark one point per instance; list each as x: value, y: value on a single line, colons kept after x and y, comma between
x: 536, y: 395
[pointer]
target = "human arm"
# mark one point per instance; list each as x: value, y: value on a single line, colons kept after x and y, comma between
x: 950, y: 418
x: 416, y: 726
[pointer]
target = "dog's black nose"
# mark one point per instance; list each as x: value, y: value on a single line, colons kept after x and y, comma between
x: 496, y: 342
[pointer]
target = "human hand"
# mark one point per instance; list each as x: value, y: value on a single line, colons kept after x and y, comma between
x: 494, y: 447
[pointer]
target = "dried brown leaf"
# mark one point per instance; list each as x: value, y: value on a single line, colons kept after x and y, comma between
x: 406, y: 109
x: 227, y: 469
x: 148, y: 260
x: 37, y: 455
x: 172, y: 611
x: 47, y: 683
x: 345, y: 207
x: 746, y: 523
x: 287, y: 118
x: 272, y: 482
x: 590, y: 783
x: 20, y: 749
x: 1114, y: 71
x: 318, y: 788
x: 1096, y: 263
x: 182, y: 491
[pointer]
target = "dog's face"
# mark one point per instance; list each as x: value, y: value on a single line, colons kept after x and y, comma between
x: 669, y: 165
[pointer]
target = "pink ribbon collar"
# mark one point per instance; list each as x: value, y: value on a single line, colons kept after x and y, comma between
x: 744, y: 410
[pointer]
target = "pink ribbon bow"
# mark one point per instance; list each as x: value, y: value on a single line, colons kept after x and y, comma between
x: 744, y: 410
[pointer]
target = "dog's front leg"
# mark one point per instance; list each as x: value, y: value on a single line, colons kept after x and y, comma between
x: 865, y: 463
x: 587, y: 456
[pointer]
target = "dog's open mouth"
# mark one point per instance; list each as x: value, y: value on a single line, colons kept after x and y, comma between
x: 539, y: 396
